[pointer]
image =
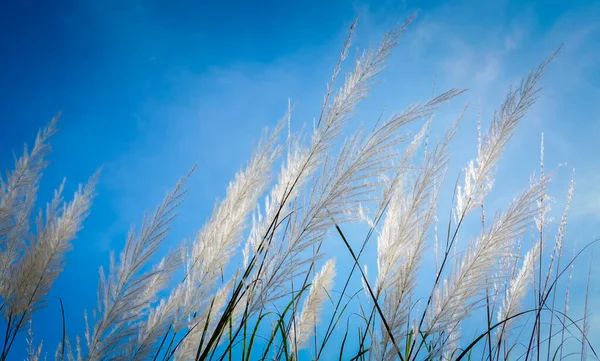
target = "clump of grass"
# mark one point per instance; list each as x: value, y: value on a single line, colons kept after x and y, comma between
x: 274, y: 303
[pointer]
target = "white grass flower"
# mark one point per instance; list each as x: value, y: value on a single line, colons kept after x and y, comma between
x: 479, y: 173
x: 34, y: 274
x: 402, y: 243
x: 203, y: 323
x: 17, y: 200
x: 456, y: 298
x: 516, y: 292
x: 124, y: 294
x: 218, y: 240
x: 33, y: 352
x: 320, y: 289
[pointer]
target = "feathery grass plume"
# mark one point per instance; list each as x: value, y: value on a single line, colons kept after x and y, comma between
x: 208, y: 255
x: 543, y: 204
x: 377, y: 153
x: 156, y: 325
x: 479, y: 174
x: 402, y: 243
x: 508, y: 271
x: 17, y: 200
x: 457, y: 296
x: 345, y: 181
x: 500, y: 279
x: 214, y: 245
x: 218, y: 240
x: 541, y: 223
x: 560, y: 235
x: 350, y: 181
x: 302, y: 163
x: 515, y: 293
x: 478, y: 182
x: 557, y: 255
x: 390, y: 186
x: 204, y: 324
x: 125, y: 292
x: 406, y: 212
x: 33, y: 352
x: 451, y: 345
x: 303, y: 326
x: 379, y: 136
x: 33, y: 275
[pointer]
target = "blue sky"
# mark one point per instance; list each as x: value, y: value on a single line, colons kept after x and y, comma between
x: 150, y: 88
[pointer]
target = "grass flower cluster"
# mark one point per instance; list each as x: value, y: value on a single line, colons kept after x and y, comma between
x: 284, y: 299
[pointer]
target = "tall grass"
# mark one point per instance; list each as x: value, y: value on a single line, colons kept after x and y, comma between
x: 275, y: 303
